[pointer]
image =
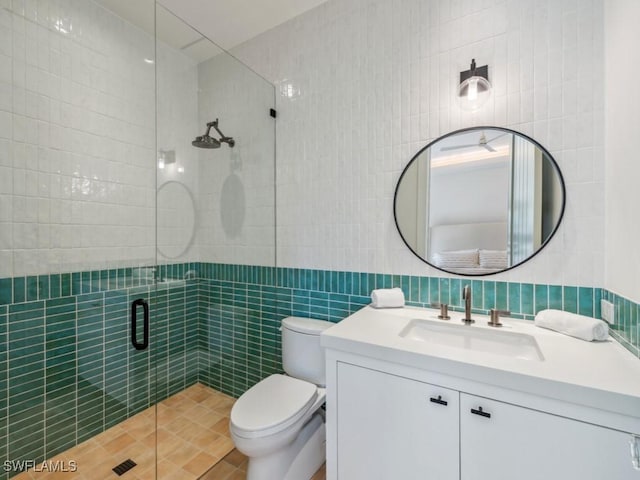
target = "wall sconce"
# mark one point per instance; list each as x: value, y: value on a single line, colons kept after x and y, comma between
x: 474, y: 89
x: 166, y: 157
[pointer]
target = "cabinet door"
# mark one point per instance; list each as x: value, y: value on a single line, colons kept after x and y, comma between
x: 519, y: 443
x: 390, y: 427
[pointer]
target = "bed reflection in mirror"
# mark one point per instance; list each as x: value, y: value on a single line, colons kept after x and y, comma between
x: 479, y: 201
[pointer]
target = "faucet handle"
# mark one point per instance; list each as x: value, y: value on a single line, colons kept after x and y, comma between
x: 444, y: 310
x: 494, y: 315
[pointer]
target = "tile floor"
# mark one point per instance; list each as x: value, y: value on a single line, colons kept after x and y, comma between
x: 234, y: 467
x: 193, y: 442
x: 192, y: 436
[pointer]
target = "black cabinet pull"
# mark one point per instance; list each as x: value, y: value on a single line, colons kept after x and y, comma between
x: 134, y: 324
x: 480, y: 412
x: 439, y: 400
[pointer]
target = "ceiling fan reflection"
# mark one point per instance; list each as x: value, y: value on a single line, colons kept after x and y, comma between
x: 482, y: 143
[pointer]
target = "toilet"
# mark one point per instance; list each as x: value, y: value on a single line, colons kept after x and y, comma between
x: 278, y: 423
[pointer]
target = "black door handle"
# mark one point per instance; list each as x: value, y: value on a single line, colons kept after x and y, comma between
x: 439, y: 400
x: 134, y: 324
x: 480, y: 412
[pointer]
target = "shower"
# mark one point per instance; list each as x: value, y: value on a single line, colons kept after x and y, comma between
x: 206, y: 141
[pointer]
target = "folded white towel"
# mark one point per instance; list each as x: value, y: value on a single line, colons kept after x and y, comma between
x: 387, y: 298
x: 579, y: 326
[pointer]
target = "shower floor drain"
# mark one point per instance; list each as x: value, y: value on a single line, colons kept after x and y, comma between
x: 124, y: 467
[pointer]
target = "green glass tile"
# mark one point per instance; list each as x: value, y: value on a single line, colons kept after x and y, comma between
x: 489, y: 297
x: 32, y: 288
x: 55, y: 286
x: 65, y: 284
x: 597, y: 297
x: 372, y: 283
x: 526, y: 298
x: 424, y: 290
x: 570, y: 299
x: 455, y: 292
x: 348, y: 283
x: 43, y: 287
x: 585, y: 301
x: 364, y: 284
x: 541, y: 293
x: 555, y: 297
x: 502, y: 296
x: 6, y: 291
x: 477, y: 287
x: 434, y: 290
x: 514, y: 298
x: 444, y: 291
x: 19, y: 290
x: 76, y: 283
x: 414, y: 289
x: 334, y: 282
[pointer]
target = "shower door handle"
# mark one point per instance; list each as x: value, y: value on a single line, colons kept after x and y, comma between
x: 134, y: 324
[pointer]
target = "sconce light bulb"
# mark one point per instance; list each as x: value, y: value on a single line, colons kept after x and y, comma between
x: 181, y: 169
x: 472, y: 93
x: 161, y: 163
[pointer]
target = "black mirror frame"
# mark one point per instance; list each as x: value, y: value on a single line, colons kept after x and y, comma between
x: 463, y: 130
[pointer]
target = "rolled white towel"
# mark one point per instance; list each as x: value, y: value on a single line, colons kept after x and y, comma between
x: 387, y: 298
x: 579, y: 326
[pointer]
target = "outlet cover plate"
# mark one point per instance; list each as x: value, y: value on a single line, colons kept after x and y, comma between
x: 607, y: 310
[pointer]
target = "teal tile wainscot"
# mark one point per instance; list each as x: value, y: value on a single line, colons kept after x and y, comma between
x: 68, y: 370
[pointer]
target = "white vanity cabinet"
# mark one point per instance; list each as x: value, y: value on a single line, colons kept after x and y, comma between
x: 388, y: 426
x: 391, y: 427
x: 507, y: 442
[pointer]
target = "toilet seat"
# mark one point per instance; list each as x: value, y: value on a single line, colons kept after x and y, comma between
x: 271, y: 406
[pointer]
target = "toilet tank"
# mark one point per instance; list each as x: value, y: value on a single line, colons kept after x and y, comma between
x: 302, y: 355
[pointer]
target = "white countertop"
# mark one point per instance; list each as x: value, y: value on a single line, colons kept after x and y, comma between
x: 595, y: 374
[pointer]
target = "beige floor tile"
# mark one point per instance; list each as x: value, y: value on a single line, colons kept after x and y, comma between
x: 237, y: 475
x: 221, y: 471
x: 23, y: 476
x: 223, y: 446
x: 197, y: 394
x: 119, y: 443
x: 183, y: 453
x: 222, y: 427
x: 211, y: 419
x: 320, y: 474
x: 235, y: 458
x: 192, y: 435
x: 206, y: 440
x: 200, y: 463
x: 191, y: 430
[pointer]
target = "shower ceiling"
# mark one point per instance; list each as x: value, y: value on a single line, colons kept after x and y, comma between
x: 228, y: 23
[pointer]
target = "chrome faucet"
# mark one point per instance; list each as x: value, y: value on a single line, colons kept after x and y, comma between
x: 466, y: 296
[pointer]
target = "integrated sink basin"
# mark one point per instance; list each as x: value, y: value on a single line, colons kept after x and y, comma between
x: 498, y: 342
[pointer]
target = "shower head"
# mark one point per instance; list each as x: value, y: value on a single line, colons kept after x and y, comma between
x: 206, y: 141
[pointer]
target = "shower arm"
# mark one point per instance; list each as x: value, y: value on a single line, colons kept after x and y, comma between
x: 223, y: 138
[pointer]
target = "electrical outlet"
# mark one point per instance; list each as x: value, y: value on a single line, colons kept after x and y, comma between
x: 607, y: 312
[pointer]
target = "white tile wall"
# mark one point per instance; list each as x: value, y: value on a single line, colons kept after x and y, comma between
x: 77, y: 139
x: 363, y: 84
x: 78, y: 164
x: 623, y: 169
x: 236, y: 186
x: 177, y: 84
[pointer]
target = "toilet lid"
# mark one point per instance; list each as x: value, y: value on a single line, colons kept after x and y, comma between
x: 272, y: 405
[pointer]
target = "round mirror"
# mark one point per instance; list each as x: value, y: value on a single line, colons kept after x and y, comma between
x: 176, y: 219
x: 479, y: 201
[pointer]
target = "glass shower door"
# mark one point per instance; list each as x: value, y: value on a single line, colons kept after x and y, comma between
x: 215, y: 213
x: 77, y: 238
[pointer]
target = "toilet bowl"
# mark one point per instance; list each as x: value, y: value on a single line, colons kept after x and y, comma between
x: 278, y: 423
